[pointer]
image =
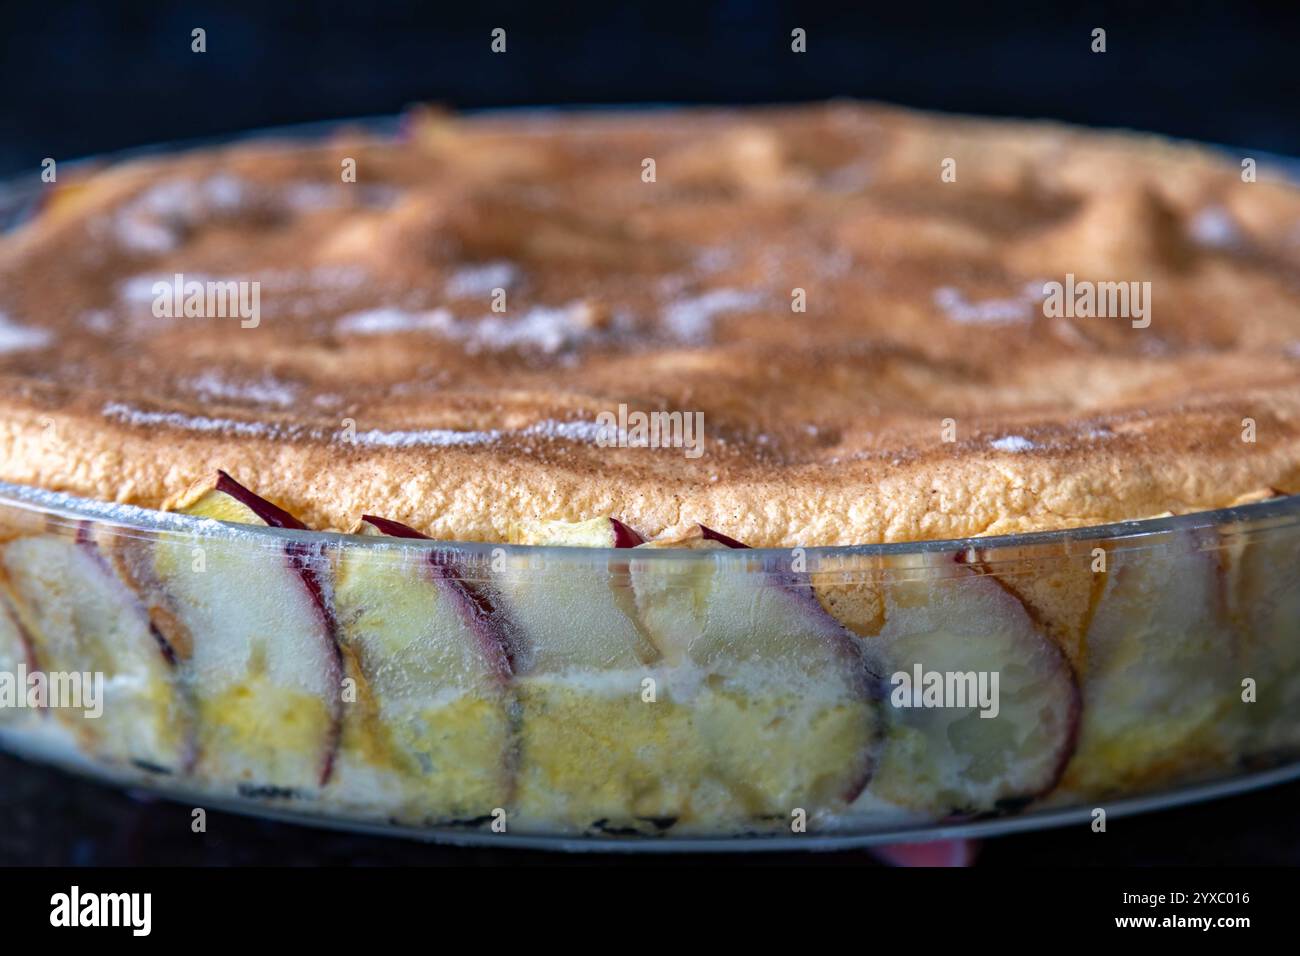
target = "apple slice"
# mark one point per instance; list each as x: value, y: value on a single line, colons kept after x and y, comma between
x: 263, y: 667
x: 431, y: 736
x: 221, y: 498
x: 13, y: 651
x: 82, y: 619
x: 546, y: 602
x: 780, y: 700
x: 596, y: 533
x: 942, y: 756
x: 15, y: 654
x: 1264, y: 604
x: 600, y: 747
x: 1057, y: 587
x: 1160, y: 684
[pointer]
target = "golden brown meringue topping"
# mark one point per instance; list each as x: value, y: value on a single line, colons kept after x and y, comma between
x: 851, y: 297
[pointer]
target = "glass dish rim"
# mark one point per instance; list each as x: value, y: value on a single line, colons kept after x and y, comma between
x: 73, y: 508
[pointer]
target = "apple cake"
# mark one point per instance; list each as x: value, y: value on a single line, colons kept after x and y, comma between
x: 717, y: 421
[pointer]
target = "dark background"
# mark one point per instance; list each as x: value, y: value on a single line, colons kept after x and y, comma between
x: 85, y: 77
x: 82, y: 78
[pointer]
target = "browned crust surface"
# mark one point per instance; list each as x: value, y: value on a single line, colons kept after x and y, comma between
x: 820, y: 427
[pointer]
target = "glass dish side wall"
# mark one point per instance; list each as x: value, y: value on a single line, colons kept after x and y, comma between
x: 626, y: 694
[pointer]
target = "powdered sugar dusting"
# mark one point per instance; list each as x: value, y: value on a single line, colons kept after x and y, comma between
x: 1214, y: 226
x: 18, y: 338
x: 262, y: 391
x: 99, y: 321
x: 575, y: 431
x: 143, y: 235
x: 136, y: 290
x: 386, y: 321
x: 988, y: 311
x: 579, y: 431
x: 131, y: 415
x: 157, y: 220
x: 481, y: 280
x: 546, y: 328
x: 691, y: 320
x: 1012, y: 443
x: 423, y: 438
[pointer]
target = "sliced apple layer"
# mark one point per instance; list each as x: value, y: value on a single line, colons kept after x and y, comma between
x: 431, y: 734
x: 1160, y: 684
x: 1059, y: 586
x: 983, y: 709
x: 630, y: 691
x: 81, y: 619
x: 781, y: 706
x: 1264, y: 594
x: 263, y: 667
x: 15, y: 657
x: 601, y: 745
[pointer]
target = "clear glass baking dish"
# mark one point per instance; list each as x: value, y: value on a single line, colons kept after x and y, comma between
x: 654, y: 698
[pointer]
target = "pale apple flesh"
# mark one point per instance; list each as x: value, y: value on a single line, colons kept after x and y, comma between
x: 596, y: 533
x: 1265, y: 605
x: 982, y: 708
x: 1060, y: 588
x: 431, y: 734
x: 221, y: 498
x: 599, y: 748
x: 1158, y: 689
x: 581, y: 748
x: 617, y: 692
x: 81, y: 619
x: 782, y: 707
x: 264, y: 669
x: 16, y: 655
x: 1150, y: 637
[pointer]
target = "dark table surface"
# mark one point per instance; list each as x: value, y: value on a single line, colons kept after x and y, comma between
x: 48, y: 817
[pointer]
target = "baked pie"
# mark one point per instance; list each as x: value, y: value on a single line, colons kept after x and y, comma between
x: 717, y: 422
